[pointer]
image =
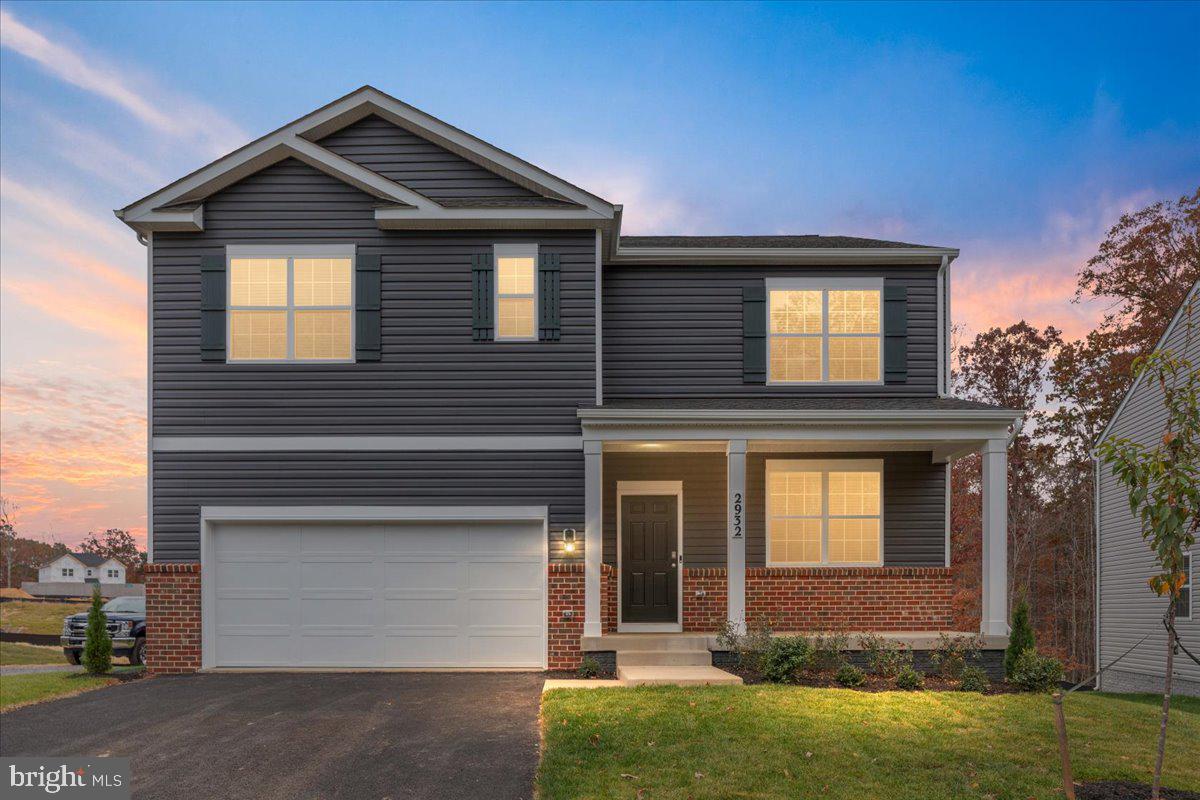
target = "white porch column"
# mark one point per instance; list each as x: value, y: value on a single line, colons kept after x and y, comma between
x: 593, y: 535
x: 994, y: 619
x: 735, y: 547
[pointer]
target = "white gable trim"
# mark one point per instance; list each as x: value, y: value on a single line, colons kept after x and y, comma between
x: 295, y: 141
x: 1192, y: 297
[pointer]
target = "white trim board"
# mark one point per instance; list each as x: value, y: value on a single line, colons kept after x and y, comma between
x: 653, y: 488
x: 368, y: 442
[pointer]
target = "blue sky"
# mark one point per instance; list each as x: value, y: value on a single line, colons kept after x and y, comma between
x: 1017, y: 132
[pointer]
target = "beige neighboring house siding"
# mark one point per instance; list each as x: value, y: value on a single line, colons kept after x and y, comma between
x: 1128, y: 609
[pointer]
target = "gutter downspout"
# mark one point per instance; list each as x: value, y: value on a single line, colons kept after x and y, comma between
x: 943, y: 315
x: 1096, y: 533
x: 147, y: 241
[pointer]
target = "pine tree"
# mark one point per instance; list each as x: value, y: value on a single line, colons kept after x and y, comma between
x: 1021, y: 638
x: 97, y: 647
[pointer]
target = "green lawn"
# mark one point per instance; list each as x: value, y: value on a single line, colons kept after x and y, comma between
x: 792, y: 742
x: 19, y: 690
x: 15, y: 654
x: 24, y: 616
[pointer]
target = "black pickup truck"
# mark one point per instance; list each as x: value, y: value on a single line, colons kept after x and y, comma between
x: 126, y: 626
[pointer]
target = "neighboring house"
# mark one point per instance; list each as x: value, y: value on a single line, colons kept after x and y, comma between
x: 82, y: 568
x: 416, y: 402
x: 1126, y: 609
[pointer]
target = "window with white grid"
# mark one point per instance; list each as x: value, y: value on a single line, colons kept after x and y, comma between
x: 824, y: 512
x: 291, y: 307
x: 825, y: 334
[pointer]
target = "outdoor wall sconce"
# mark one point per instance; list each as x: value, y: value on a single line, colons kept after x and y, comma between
x: 568, y: 536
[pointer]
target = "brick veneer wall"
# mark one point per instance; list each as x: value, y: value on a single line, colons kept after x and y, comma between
x: 566, y: 594
x: 851, y: 598
x: 704, y: 614
x: 172, y: 618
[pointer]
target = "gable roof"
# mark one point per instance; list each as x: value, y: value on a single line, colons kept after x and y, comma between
x: 179, y: 206
x: 1190, y: 300
x: 84, y: 558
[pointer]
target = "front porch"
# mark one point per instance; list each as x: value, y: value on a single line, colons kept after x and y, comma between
x: 810, y: 520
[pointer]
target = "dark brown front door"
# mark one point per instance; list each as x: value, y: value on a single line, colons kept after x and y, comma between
x: 649, y: 562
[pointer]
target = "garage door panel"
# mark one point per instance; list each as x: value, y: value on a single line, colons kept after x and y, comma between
x: 370, y: 595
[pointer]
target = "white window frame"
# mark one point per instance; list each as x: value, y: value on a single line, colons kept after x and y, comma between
x: 825, y: 286
x: 290, y: 253
x: 515, y: 251
x: 1191, y: 587
x: 824, y: 466
x: 67, y: 572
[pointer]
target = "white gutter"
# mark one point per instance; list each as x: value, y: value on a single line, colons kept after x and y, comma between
x: 794, y: 416
x: 822, y: 256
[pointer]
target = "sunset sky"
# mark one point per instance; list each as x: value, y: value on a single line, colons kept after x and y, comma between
x: 1017, y: 133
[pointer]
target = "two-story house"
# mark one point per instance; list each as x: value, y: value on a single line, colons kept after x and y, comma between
x: 82, y: 568
x: 415, y: 402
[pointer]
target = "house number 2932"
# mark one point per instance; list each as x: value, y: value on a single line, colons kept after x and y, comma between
x: 737, y: 515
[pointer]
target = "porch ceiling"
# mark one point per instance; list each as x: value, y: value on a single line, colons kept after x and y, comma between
x: 940, y: 450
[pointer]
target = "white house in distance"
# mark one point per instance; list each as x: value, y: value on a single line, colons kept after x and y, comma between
x: 82, y: 568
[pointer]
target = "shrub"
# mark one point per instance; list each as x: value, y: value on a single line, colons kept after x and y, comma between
x: 746, y: 648
x: 829, y: 650
x: 97, y: 647
x: 850, y: 675
x: 974, y: 679
x: 951, y: 654
x: 910, y: 680
x: 588, y: 668
x: 785, y: 656
x: 1034, y: 672
x: 884, y: 656
x: 1020, y: 639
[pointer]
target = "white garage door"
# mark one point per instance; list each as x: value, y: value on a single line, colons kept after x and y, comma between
x: 411, y: 594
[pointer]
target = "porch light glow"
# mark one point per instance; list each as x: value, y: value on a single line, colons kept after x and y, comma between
x: 568, y: 536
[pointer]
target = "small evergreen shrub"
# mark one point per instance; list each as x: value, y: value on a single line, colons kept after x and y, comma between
x: 588, y: 668
x: 785, y: 656
x: 829, y: 650
x: 1021, y: 637
x: 850, y: 676
x: 885, y: 657
x: 97, y: 646
x: 973, y: 679
x: 910, y: 680
x: 952, y: 654
x: 1034, y: 672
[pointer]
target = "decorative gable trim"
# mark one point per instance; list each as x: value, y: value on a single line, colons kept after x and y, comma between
x: 407, y: 208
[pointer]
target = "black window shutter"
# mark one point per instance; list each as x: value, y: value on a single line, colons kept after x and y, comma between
x: 895, y: 333
x: 549, y: 280
x: 754, y: 333
x: 482, y: 273
x: 368, y: 305
x: 212, y: 308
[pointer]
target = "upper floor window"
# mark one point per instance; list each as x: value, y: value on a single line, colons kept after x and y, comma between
x: 112, y: 573
x: 1183, y: 603
x: 516, y: 291
x: 825, y: 331
x: 825, y: 513
x: 291, y: 306
x: 68, y: 572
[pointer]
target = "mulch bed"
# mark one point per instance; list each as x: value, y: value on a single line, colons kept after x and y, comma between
x: 825, y: 679
x: 1128, y: 790
x: 571, y: 674
x: 124, y: 676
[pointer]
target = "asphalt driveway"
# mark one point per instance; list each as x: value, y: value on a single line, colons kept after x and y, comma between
x: 301, y: 735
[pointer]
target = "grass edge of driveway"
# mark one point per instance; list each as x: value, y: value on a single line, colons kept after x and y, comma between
x: 40, y: 687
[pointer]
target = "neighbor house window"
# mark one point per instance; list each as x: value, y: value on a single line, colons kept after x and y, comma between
x: 68, y: 573
x: 1183, y: 603
x: 291, y: 307
x: 825, y: 333
x: 825, y: 513
x: 516, y: 291
x: 112, y: 573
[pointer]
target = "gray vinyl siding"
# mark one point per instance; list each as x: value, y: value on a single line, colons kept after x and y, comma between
x: 419, y: 164
x: 677, y: 331
x: 183, y: 482
x: 432, y: 378
x: 914, y: 503
x: 703, y: 476
x: 914, y: 507
x: 1128, y: 608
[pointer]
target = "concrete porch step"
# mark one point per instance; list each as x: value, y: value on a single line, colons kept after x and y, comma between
x: 675, y: 658
x: 675, y: 676
x: 621, y: 642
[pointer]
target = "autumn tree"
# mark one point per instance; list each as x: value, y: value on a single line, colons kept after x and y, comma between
x: 119, y: 545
